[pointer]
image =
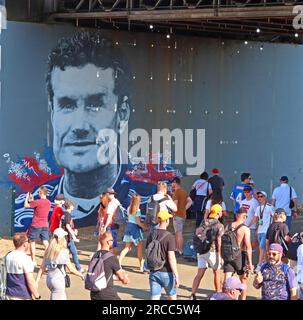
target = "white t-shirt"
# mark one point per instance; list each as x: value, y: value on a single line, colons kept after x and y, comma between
x: 251, y: 206
x: 300, y: 271
x: 268, y: 212
x: 282, y: 196
x: 112, y: 206
x: 208, y: 205
x: 165, y: 205
x: 201, y: 187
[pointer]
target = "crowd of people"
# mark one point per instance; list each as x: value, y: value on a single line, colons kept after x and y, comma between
x: 221, y: 242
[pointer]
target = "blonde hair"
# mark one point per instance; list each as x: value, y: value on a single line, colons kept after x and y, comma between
x: 134, y: 204
x: 161, y: 186
x: 55, y: 248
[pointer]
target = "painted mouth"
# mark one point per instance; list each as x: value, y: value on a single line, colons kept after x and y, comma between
x: 80, y: 143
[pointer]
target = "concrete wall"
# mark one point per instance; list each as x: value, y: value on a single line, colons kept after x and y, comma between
x: 249, y: 101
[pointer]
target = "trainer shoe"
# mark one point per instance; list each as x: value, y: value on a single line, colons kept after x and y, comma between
x: 193, y: 297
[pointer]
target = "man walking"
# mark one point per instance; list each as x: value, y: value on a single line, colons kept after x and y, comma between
x: 20, y: 281
x: 285, y: 197
x: 243, y: 262
x: 111, y: 268
x: 183, y: 202
x: 276, y: 278
x: 211, y: 259
x: 39, y: 228
x: 216, y: 182
x: 165, y: 277
x: 250, y: 204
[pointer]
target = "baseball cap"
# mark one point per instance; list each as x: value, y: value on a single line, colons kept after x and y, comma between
x: 233, y: 283
x: 177, y: 180
x: 215, y: 171
x: 60, y: 233
x: 163, y: 215
x: 262, y: 192
x: 276, y: 247
x: 248, y: 188
x: 279, y: 211
x: 214, y: 210
x: 111, y: 191
x: 59, y: 197
x: 284, y: 178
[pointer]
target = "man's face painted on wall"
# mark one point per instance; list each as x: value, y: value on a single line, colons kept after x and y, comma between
x: 84, y: 103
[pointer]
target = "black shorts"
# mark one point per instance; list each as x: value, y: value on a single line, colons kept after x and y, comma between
x: 236, y: 265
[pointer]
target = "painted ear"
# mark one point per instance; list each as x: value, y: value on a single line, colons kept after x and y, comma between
x: 123, y: 113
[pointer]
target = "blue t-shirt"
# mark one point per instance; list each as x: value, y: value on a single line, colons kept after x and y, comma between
x: 132, y: 217
x: 238, y: 195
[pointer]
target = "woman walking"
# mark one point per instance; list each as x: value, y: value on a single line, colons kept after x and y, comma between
x: 55, y: 260
x: 133, y: 235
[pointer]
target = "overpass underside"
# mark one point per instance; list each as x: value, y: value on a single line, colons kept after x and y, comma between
x: 228, y: 19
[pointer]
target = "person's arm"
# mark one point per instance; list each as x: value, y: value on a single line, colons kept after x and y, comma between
x: 295, y: 211
x: 253, y: 221
x: 258, y: 280
x: 173, y: 264
x: 122, y: 276
x: 247, y: 244
x: 32, y: 285
x: 189, y: 203
x: 293, y: 294
x: 170, y: 204
x: 40, y: 272
x: 206, y: 213
x: 219, y: 244
x: 273, y: 201
x: 26, y: 202
x: 140, y: 224
x: 71, y: 232
x: 108, y: 221
x: 73, y: 270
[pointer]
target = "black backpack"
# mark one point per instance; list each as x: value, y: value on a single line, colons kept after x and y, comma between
x: 152, y: 208
x: 230, y: 249
x: 205, y: 236
x: 296, y: 241
x: 154, y: 259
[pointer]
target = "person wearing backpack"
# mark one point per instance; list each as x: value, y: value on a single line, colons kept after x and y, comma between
x: 236, y: 249
x: 161, y: 259
x: 133, y: 234
x: 161, y: 201
x: 101, y: 283
x: 278, y: 231
x: 209, y: 234
x: 276, y: 278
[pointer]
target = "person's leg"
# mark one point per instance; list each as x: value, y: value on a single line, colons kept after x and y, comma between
x: 197, y: 280
x: 73, y: 250
x: 244, y: 292
x: 124, y: 252
x: 33, y: 251
x: 115, y: 242
x: 155, y: 285
x: 288, y: 222
x: 169, y: 280
x: 56, y: 285
x: 217, y: 280
x: 140, y: 255
x: 262, y: 247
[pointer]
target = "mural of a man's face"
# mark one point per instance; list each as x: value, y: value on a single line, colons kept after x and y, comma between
x: 84, y: 102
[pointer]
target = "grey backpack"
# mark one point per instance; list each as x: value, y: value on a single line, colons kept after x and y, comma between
x: 154, y: 259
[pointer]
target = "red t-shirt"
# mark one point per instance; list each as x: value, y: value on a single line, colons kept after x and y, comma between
x: 41, y: 209
x: 55, y: 218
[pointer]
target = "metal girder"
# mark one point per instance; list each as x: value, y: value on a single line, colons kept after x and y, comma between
x: 190, y: 14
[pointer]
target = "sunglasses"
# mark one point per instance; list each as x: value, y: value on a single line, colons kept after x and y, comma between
x: 260, y: 196
x: 272, y: 254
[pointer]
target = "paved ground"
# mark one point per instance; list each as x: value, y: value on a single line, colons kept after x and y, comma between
x: 138, y: 289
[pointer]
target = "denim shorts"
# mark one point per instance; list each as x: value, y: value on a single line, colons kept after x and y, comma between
x: 159, y: 280
x: 178, y: 223
x: 262, y: 240
x: 38, y: 233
